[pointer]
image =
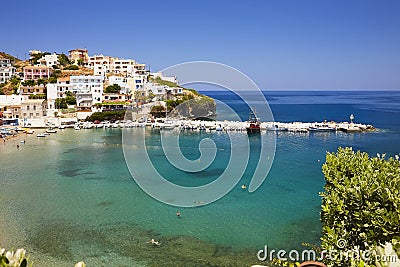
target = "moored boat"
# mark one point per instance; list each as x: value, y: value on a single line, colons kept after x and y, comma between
x: 254, y: 124
x: 51, y: 130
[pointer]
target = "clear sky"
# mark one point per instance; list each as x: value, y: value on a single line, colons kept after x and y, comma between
x: 282, y: 44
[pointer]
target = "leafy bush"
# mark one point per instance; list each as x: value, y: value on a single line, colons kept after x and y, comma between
x: 61, y: 103
x: 107, y: 115
x: 115, y: 88
x: 158, y: 111
x: 38, y: 96
x: 71, y: 67
x: 361, y: 202
x: 28, y: 83
x: 64, y: 60
x: 19, y: 259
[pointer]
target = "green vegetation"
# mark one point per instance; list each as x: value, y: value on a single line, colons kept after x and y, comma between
x: 361, y: 203
x: 28, y: 83
x: 164, y: 82
x: 61, y: 103
x: 64, y: 60
x: 158, y: 111
x: 54, y: 76
x: 70, y: 98
x: 10, y: 57
x: 194, y: 92
x: 41, y: 81
x: 80, y: 62
x: 35, y: 57
x: 71, y: 67
x: 107, y: 115
x: 115, y: 88
x: 112, y: 104
x: 38, y: 96
x: 11, y: 86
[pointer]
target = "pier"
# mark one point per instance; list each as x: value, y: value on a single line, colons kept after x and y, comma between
x: 231, y: 126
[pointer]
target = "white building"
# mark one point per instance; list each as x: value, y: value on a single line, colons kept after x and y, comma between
x: 63, y: 85
x: 160, y: 91
x: 88, y: 90
x: 51, y: 89
x: 6, y: 70
x: 159, y: 74
x: 121, y: 81
x: 103, y: 65
x: 136, y: 82
x: 48, y: 60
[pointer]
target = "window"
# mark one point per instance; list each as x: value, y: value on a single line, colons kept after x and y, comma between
x: 34, y: 107
x: 37, y: 114
x: 27, y: 107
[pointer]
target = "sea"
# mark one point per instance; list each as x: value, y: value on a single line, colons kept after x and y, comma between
x: 70, y: 197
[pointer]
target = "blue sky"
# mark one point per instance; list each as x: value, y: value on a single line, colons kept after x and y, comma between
x: 282, y: 44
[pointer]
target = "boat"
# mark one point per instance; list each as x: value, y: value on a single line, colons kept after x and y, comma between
x: 46, y: 133
x: 254, y: 124
x: 30, y: 131
x: 41, y: 135
x: 322, y: 127
x: 76, y: 127
x: 61, y: 127
x: 168, y: 125
x: 51, y: 130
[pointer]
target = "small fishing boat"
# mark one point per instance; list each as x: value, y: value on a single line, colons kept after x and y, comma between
x: 51, y: 130
x: 30, y: 131
x: 254, y: 124
x: 76, y: 127
x: 41, y: 135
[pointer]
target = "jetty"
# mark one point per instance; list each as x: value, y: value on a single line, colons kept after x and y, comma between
x: 225, y: 126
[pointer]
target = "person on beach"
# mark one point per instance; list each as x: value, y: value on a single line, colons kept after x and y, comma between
x: 17, y: 146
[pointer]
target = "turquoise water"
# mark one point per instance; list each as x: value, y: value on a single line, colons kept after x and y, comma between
x: 70, y: 197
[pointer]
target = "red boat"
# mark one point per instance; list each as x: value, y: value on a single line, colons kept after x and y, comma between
x: 254, y: 124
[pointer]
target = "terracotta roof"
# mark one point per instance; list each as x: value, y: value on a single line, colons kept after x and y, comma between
x: 63, y: 79
x: 36, y: 67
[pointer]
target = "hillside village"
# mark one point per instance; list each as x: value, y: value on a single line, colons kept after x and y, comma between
x: 53, y: 87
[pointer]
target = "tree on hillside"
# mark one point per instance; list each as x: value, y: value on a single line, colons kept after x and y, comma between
x: 115, y: 88
x: 28, y: 83
x: 35, y: 57
x: 41, y: 81
x: 70, y: 98
x: 64, y: 60
x: 71, y: 67
x: 60, y: 103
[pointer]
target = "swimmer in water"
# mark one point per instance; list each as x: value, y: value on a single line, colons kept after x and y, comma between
x: 154, y: 242
x: 178, y: 214
x: 244, y: 186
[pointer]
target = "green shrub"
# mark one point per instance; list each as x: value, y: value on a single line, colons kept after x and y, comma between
x: 115, y: 88
x: 361, y: 203
x: 107, y: 115
x: 71, y: 67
